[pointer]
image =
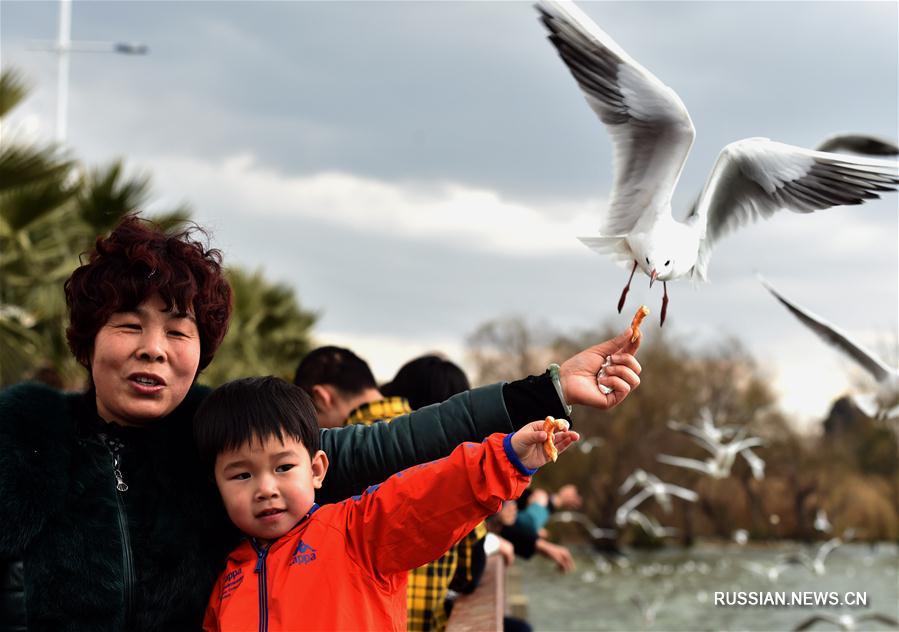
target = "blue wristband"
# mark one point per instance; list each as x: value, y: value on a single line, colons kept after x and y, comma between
x: 513, y: 458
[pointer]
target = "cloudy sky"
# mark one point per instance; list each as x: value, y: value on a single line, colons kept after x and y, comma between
x: 415, y: 169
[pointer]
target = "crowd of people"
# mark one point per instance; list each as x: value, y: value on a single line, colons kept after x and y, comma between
x: 150, y: 502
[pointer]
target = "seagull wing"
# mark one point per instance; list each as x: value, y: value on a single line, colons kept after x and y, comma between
x: 836, y: 338
x: 650, y: 128
x: 855, y: 143
x: 681, y: 492
x: 825, y: 549
x: 698, y: 435
x: 756, y: 177
x: 882, y: 618
x: 629, y: 482
x: 859, y: 144
x: 704, y: 440
x: 812, y: 620
x: 643, y: 521
x: 634, y: 501
x: 756, y: 464
x: 737, y: 446
x: 690, y: 464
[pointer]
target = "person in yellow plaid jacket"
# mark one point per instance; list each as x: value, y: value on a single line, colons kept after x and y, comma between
x: 345, y: 392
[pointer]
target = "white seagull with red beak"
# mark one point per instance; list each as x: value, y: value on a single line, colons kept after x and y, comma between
x: 652, y: 134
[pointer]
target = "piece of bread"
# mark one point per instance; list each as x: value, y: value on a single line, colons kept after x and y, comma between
x: 551, y: 425
x: 642, y: 312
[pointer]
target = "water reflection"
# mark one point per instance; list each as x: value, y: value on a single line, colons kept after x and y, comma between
x: 601, y: 596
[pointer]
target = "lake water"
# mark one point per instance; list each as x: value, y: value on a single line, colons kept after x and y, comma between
x: 598, y: 594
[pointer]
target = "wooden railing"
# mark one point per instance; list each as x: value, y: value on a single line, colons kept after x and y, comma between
x: 483, y: 609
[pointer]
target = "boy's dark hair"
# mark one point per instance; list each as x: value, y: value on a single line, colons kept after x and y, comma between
x: 427, y: 380
x: 336, y: 366
x: 254, y: 409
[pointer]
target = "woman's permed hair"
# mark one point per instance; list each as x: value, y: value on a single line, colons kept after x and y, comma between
x: 139, y: 259
x: 251, y: 410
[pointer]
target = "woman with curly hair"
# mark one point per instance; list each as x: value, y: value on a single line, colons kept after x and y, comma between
x: 110, y: 523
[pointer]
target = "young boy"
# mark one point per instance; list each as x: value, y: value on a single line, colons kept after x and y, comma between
x: 340, y: 566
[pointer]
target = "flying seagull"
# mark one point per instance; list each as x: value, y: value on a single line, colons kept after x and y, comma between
x: 662, y: 494
x: 652, y: 134
x: 814, y: 564
x: 719, y: 465
x: 638, y: 477
x: 651, y: 486
x: 704, y: 430
x: 887, y: 377
x: 846, y: 622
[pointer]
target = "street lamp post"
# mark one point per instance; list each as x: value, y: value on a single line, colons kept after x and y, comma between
x: 63, y: 47
x: 63, y: 44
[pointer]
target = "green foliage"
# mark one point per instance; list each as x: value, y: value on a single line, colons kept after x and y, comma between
x: 105, y: 195
x: 13, y: 89
x: 269, y: 332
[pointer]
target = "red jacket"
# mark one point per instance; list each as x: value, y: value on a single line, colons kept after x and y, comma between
x: 343, y: 567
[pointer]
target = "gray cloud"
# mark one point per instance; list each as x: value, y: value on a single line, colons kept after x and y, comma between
x: 465, y: 91
x: 418, y: 94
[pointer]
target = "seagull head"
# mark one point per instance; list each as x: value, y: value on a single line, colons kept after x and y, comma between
x: 666, y: 252
x: 659, y: 264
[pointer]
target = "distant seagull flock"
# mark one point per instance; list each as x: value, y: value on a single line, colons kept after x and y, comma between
x: 652, y: 134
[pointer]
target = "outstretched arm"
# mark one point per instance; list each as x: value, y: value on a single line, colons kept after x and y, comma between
x: 415, y: 516
x: 364, y: 455
x: 361, y: 456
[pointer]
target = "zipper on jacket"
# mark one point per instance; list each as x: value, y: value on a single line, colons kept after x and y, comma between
x: 261, y: 552
x: 114, y: 446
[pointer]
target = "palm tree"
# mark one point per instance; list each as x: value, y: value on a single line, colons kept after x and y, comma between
x: 51, y: 210
x: 35, y: 184
x: 269, y: 331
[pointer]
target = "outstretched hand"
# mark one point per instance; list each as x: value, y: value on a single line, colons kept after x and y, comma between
x: 559, y: 554
x: 528, y: 443
x: 579, y: 375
